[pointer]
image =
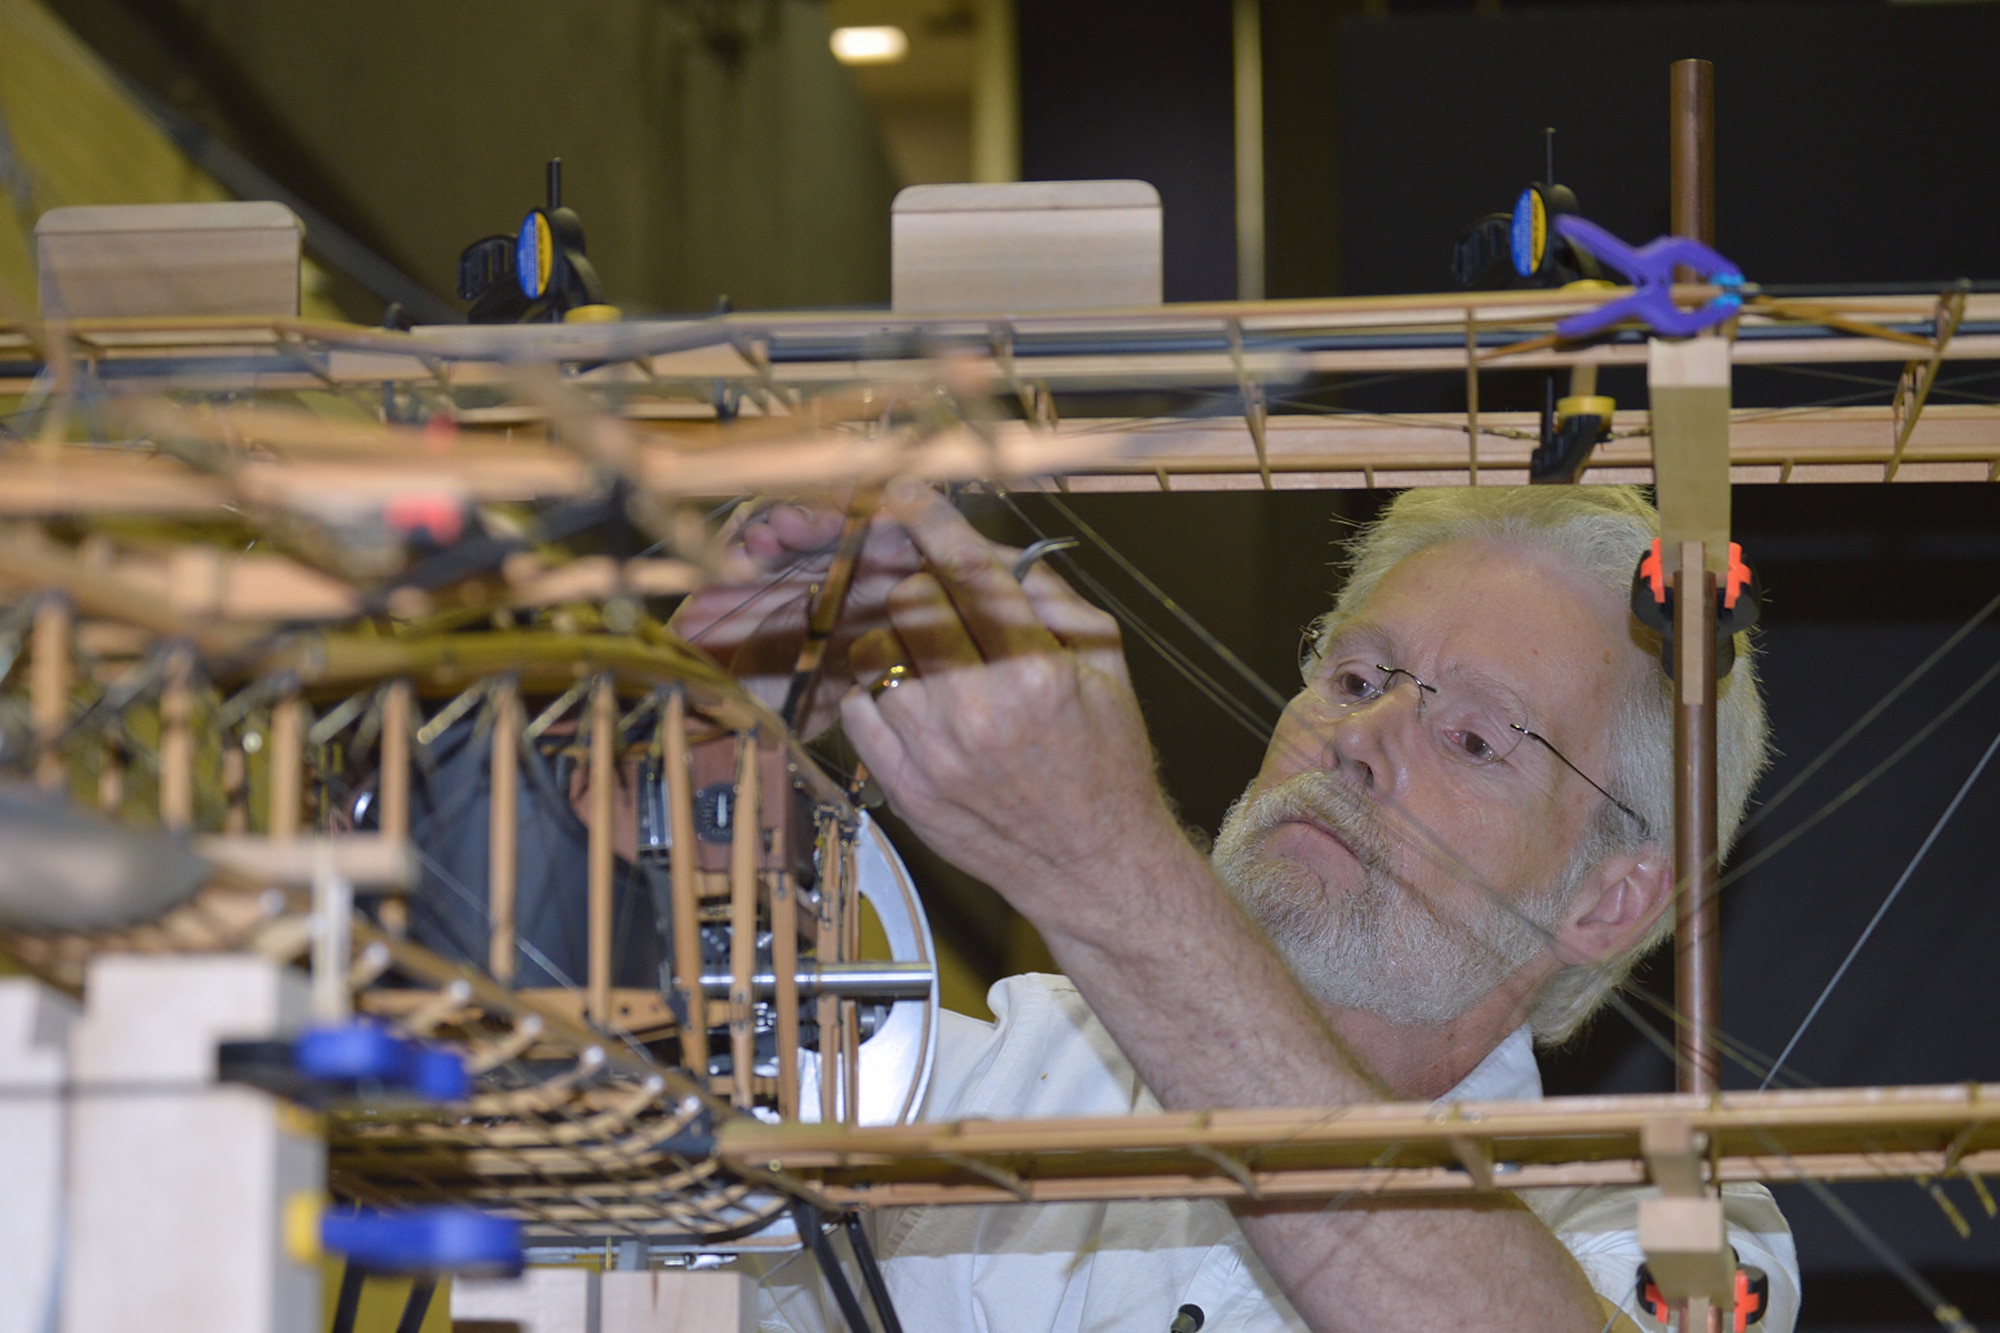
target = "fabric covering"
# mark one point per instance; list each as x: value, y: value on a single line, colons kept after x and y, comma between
x: 1095, y: 1268
x: 448, y: 822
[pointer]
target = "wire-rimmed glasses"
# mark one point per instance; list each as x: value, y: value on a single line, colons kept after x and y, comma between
x: 1471, y: 723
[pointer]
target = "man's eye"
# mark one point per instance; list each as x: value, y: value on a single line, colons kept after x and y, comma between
x: 1476, y: 747
x: 1354, y: 685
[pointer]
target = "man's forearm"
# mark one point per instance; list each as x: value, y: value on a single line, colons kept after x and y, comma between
x: 1209, y: 1016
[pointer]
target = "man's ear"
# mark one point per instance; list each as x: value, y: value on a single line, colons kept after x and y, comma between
x: 1616, y: 905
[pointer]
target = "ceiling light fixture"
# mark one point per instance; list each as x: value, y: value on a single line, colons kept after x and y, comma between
x: 883, y: 45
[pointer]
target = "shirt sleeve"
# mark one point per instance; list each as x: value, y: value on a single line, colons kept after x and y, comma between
x: 1601, y: 1228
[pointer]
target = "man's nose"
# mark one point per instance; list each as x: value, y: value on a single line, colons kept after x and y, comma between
x: 1371, y: 742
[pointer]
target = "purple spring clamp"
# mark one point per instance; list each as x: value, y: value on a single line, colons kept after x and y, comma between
x: 1651, y: 269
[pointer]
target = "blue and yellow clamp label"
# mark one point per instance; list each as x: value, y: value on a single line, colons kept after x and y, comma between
x: 1529, y: 235
x: 534, y: 255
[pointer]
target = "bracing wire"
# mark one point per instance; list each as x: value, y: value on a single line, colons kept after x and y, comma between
x: 1207, y: 639
x: 1867, y: 718
x: 1882, y: 911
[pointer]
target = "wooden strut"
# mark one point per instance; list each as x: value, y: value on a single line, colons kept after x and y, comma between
x: 1472, y: 397
x: 827, y: 602
x: 503, y: 821
x: 826, y: 940
x: 685, y: 880
x: 235, y: 786
x: 785, y: 997
x: 50, y: 673
x: 393, y: 786
x: 1697, y: 906
x: 287, y: 767
x: 603, y: 793
x: 849, y: 1026
x: 745, y: 844
x: 177, y: 742
x: 1691, y: 151
x: 1253, y: 400
x: 111, y: 782
x: 1914, y: 389
x: 1697, y: 913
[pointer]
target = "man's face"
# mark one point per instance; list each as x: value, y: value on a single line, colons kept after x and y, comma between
x: 1404, y: 848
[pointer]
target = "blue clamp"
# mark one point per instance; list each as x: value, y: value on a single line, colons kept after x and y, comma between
x: 426, y: 1240
x: 1651, y: 269
x: 363, y: 1053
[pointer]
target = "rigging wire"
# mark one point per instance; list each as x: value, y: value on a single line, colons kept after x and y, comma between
x: 1207, y: 639
x: 1875, y: 710
x: 1216, y: 692
x: 1883, y: 910
x: 1861, y: 783
x: 1941, y: 1309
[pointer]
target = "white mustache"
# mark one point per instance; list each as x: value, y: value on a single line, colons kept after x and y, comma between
x: 1323, y: 799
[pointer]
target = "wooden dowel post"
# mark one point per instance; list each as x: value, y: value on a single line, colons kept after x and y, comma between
x: 111, y: 778
x: 177, y: 743
x: 502, y: 846
x: 1691, y: 148
x: 685, y: 873
x: 1697, y: 912
x: 393, y: 786
x: 235, y: 787
x: 745, y: 842
x: 50, y: 674
x: 1689, y: 385
x: 850, y: 1011
x: 288, y: 743
x: 1472, y: 397
x: 785, y: 999
x: 603, y: 789
x: 833, y: 874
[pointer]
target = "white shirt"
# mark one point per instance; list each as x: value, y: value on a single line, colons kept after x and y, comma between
x: 1105, y: 1267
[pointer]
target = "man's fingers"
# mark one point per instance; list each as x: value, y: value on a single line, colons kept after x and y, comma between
x: 874, y: 739
x: 929, y: 625
x: 1083, y: 628
x: 981, y: 587
x: 874, y: 653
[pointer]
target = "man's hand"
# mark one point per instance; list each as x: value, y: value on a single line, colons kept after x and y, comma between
x: 1016, y: 748
x: 754, y: 622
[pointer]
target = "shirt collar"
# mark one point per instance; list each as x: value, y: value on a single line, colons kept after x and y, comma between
x: 1507, y: 1074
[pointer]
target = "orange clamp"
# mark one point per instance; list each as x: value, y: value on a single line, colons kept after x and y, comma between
x: 1651, y: 570
x: 1739, y: 576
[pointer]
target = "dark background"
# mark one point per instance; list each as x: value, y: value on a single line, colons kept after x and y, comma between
x: 1855, y: 143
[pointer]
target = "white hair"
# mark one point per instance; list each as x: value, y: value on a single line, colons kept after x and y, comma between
x: 1599, y: 532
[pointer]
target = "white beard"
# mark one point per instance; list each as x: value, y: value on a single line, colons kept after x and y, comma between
x: 1381, y: 950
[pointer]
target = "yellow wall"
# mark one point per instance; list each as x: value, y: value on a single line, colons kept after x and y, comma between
x: 73, y: 136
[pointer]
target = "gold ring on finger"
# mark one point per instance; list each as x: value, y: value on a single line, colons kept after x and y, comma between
x: 890, y: 679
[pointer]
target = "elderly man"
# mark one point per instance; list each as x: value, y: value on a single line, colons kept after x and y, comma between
x: 1454, y: 848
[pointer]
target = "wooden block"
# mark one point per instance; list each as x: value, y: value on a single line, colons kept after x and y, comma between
x: 169, y: 259
x: 1026, y: 246
x: 177, y: 1186
x: 1687, y: 1248
x: 159, y: 1018
x: 1673, y: 1153
x: 541, y: 1300
x: 1688, y: 382
x: 368, y: 861
x: 678, y: 1300
x: 34, y: 1062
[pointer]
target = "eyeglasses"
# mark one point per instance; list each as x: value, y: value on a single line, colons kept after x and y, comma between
x: 1471, y: 725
